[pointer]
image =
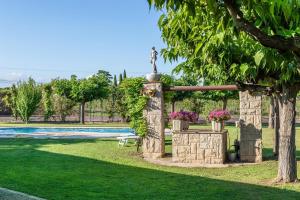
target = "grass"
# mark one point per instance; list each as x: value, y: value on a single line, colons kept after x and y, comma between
x: 98, y: 169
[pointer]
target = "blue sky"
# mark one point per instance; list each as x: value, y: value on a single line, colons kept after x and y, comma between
x: 46, y: 39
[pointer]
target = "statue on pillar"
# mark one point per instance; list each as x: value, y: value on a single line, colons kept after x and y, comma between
x: 153, y: 59
x: 154, y: 76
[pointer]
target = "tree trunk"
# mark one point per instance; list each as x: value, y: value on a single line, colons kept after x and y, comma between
x: 224, y: 104
x: 287, y: 164
x: 63, y: 118
x: 173, y: 106
x: 276, y: 126
x: 271, y: 112
x: 90, y: 111
x: 82, y: 105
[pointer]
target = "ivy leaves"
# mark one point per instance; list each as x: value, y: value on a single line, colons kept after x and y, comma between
x: 135, y: 103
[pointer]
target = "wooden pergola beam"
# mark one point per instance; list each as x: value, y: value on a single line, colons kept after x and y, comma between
x: 201, y: 88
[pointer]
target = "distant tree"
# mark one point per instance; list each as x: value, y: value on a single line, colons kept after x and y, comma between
x: 176, y: 96
x: 120, y: 104
x: 115, y: 81
x: 222, y: 96
x: 110, y: 107
x: 120, y: 79
x: 28, y: 98
x: 3, y: 93
x: 62, y: 87
x: 10, y: 99
x: 124, y: 74
x: 63, y: 106
x: 47, y: 101
x: 62, y: 103
x: 88, y: 89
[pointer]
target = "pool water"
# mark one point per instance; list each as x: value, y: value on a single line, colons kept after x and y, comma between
x: 94, y: 131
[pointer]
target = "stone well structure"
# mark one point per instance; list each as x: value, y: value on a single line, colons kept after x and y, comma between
x: 202, y: 146
x: 199, y: 146
x: 154, y: 142
x: 250, y: 127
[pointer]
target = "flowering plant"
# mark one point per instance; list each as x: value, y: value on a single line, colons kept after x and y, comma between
x: 184, y: 115
x: 219, y: 115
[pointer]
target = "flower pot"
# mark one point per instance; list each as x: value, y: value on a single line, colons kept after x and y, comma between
x: 232, y: 156
x: 217, y: 126
x: 186, y: 125
x: 179, y: 125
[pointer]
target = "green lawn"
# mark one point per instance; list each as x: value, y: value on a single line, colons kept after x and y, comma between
x: 98, y: 169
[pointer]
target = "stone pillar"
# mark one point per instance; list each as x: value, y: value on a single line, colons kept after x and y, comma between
x: 154, y: 142
x: 250, y: 127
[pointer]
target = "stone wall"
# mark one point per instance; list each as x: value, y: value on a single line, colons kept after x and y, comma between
x: 250, y: 130
x: 198, y: 146
x: 154, y: 142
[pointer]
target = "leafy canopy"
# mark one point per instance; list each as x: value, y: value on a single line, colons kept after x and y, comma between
x: 88, y: 89
x: 230, y: 41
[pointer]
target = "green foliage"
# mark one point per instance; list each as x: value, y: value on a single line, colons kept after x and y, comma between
x: 193, y: 100
x: 120, y: 78
x: 47, y: 101
x: 210, y: 39
x: 10, y: 99
x: 115, y: 81
x: 61, y: 92
x: 28, y: 97
x: 62, y: 87
x: 84, y: 90
x: 88, y: 89
x: 168, y: 81
x: 62, y: 106
x: 124, y: 74
x: 120, y: 104
x: 135, y: 103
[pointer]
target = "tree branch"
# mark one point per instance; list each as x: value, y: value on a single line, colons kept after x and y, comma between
x: 276, y: 42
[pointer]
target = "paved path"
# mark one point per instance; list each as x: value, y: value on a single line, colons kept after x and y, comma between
x: 6, y: 194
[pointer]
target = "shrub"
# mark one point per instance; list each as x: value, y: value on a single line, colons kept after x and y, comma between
x: 28, y: 98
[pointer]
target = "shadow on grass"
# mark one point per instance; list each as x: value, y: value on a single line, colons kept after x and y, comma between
x: 58, y: 176
x: 268, y: 154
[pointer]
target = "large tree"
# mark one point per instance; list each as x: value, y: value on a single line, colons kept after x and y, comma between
x: 88, y: 89
x: 255, y: 41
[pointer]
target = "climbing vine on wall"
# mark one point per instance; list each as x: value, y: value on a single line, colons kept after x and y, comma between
x: 135, y: 102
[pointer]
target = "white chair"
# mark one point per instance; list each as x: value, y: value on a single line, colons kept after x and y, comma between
x: 123, y: 140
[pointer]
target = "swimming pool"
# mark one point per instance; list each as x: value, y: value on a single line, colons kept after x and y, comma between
x: 63, y: 132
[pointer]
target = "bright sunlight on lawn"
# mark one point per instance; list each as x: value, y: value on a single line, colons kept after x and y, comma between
x: 98, y: 169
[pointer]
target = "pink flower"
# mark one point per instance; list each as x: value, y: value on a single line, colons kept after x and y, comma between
x: 184, y: 115
x: 219, y: 115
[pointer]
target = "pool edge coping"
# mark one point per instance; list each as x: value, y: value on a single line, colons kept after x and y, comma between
x: 104, y: 127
